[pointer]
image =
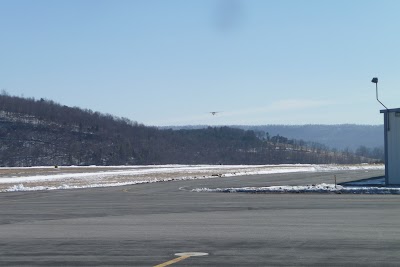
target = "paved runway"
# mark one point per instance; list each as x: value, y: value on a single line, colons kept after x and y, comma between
x: 145, y: 225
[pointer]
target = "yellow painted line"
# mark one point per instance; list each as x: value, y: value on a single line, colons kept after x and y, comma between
x: 181, y: 258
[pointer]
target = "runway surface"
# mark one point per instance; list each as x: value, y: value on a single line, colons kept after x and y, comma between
x: 145, y: 225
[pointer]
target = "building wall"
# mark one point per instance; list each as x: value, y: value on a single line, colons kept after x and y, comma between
x: 393, y: 148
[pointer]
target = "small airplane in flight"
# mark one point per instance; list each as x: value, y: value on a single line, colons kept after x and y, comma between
x: 214, y: 112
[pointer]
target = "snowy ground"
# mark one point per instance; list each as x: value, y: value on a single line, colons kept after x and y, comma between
x: 366, y: 186
x: 72, y: 177
x: 318, y: 188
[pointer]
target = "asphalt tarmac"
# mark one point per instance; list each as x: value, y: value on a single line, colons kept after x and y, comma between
x: 145, y: 225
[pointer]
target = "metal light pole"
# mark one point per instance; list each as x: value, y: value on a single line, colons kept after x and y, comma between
x: 375, y: 81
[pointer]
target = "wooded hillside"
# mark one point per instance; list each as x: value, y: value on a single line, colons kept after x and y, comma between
x: 42, y: 132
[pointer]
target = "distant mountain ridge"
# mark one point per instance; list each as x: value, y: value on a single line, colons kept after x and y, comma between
x: 340, y: 136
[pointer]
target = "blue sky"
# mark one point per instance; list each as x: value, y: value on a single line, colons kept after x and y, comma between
x: 172, y: 62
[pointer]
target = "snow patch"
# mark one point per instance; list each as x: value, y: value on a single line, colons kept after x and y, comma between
x: 318, y: 188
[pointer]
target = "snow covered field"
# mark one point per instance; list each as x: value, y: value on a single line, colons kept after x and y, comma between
x: 73, y: 177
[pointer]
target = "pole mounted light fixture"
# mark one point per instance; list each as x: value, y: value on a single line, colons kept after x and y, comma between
x: 375, y: 81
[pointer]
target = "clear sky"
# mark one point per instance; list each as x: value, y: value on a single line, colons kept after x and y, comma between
x: 171, y: 62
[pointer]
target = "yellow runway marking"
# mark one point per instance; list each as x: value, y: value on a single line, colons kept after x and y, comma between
x: 181, y: 258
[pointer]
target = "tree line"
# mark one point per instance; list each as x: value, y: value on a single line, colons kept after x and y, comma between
x: 41, y: 132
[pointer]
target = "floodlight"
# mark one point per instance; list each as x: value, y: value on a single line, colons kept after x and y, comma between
x: 375, y: 81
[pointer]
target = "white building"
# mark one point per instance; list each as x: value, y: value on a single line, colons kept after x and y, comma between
x: 392, y: 146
